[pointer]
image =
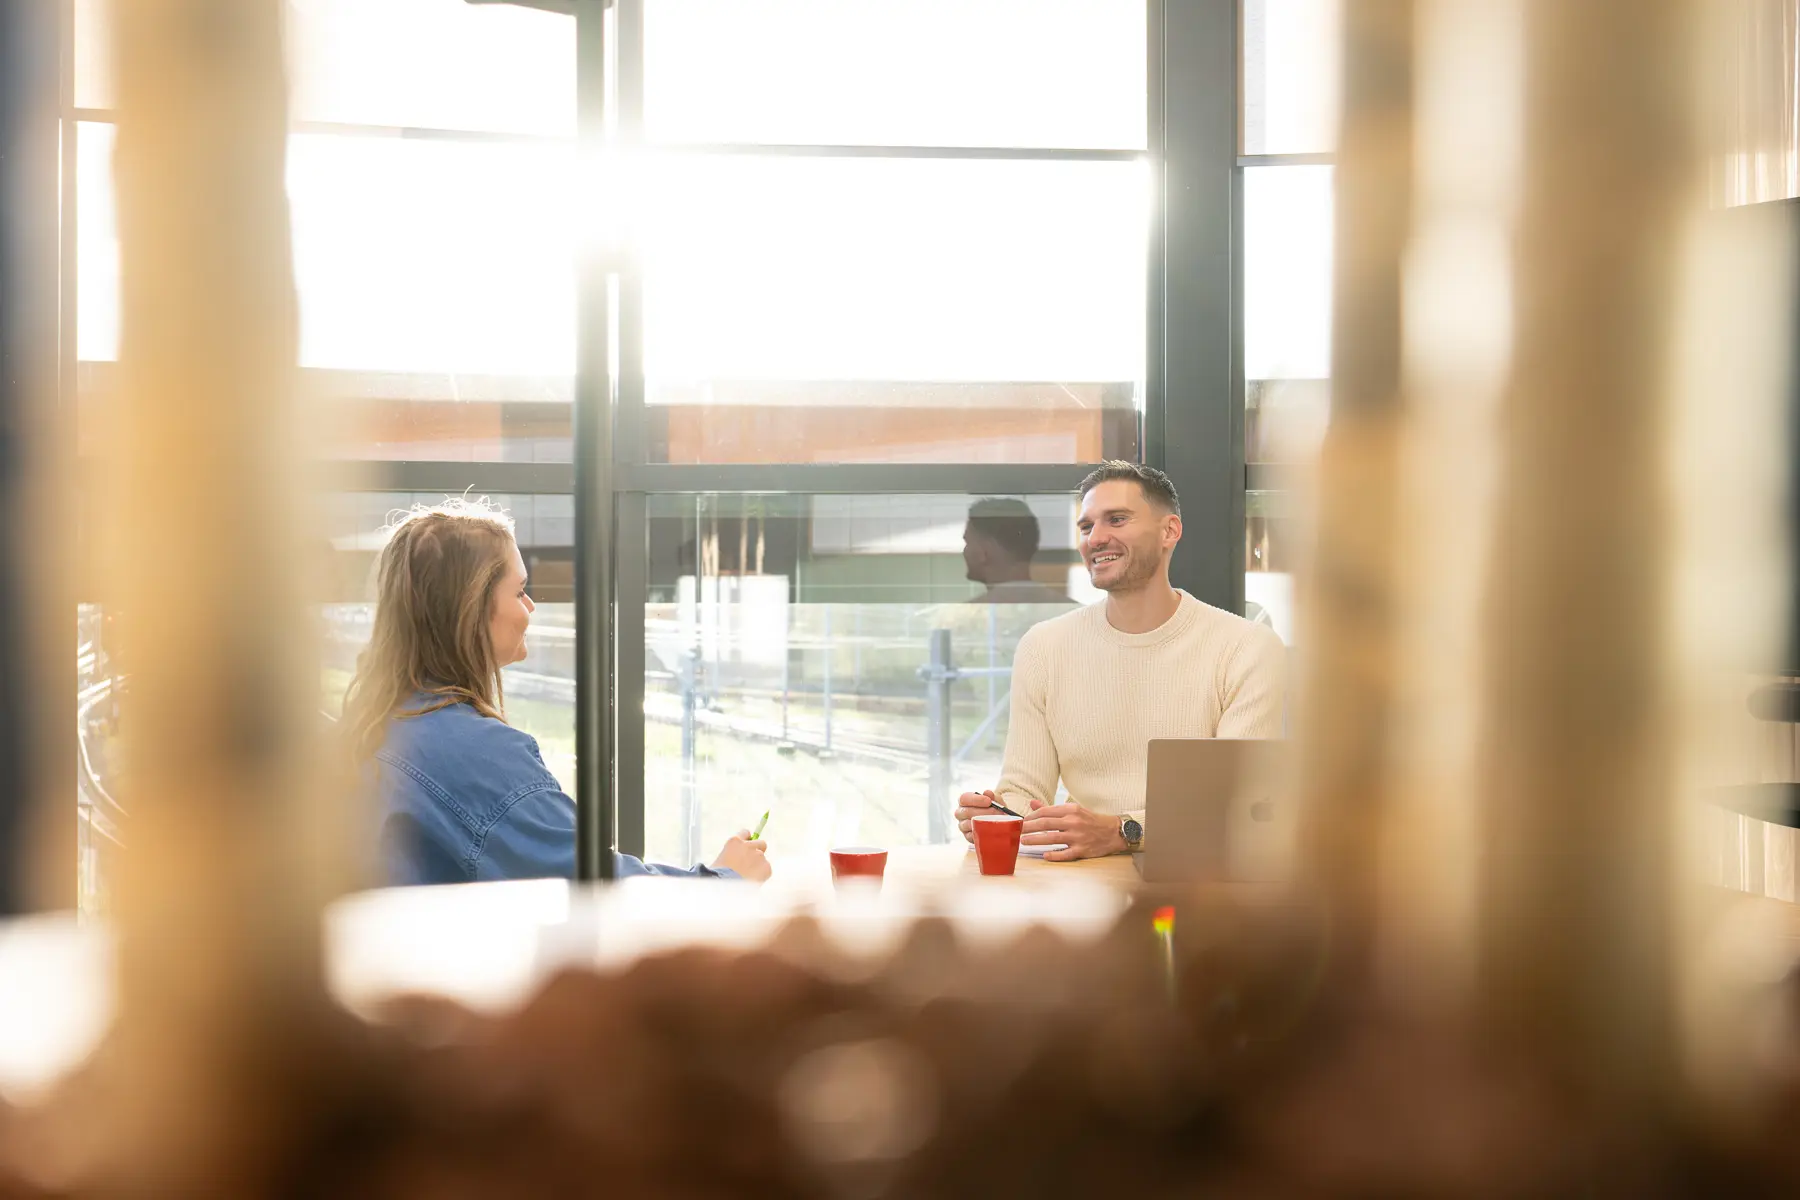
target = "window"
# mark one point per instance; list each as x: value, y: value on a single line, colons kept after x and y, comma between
x: 1290, y: 76
x: 1036, y: 73
x: 419, y: 64
x: 435, y: 322
x: 943, y: 267
x: 1287, y: 310
x: 843, y: 660
x: 894, y: 310
x: 1288, y: 123
x: 877, y: 261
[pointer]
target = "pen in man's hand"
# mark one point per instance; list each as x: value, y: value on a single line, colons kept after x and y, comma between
x: 993, y: 803
x: 759, y: 825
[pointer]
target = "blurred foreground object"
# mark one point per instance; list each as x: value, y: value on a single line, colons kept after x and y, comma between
x: 218, y: 901
x: 37, y: 850
x: 1501, y: 981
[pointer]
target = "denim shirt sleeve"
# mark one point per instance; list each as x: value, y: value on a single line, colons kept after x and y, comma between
x: 456, y: 813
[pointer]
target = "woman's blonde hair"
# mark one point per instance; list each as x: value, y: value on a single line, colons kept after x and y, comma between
x: 434, y: 589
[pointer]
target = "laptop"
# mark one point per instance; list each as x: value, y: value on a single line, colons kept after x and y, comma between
x: 1219, y: 810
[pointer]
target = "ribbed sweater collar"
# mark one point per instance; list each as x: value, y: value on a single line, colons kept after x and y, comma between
x: 1183, y: 619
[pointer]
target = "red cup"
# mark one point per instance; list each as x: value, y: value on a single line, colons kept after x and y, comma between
x: 858, y: 864
x: 997, y: 843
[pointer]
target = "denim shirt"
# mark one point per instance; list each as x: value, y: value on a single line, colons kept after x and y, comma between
x: 466, y: 798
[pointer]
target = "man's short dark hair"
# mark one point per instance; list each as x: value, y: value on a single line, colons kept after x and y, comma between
x: 1157, y: 488
x: 1009, y: 524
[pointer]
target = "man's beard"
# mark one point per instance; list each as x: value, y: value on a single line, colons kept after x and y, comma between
x: 1139, y: 570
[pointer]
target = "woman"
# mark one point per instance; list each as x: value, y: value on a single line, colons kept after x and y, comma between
x: 465, y: 796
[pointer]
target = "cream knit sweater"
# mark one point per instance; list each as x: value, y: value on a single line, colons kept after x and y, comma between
x: 1087, y: 700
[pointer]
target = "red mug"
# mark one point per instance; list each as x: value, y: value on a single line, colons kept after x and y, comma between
x: 860, y: 863
x: 997, y: 843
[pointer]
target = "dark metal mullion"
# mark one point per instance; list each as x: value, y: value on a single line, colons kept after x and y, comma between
x: 1239, y: 462
x: 595, y: 820
x: 633, y: 544
x: 633, y: 549
x: 1203, y: 447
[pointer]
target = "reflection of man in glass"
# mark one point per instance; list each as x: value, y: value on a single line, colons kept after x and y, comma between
x: 999, y: 543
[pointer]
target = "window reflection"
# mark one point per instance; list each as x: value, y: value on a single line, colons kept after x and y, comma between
x: 799, y: 649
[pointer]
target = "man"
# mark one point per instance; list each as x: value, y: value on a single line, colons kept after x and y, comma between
x: 1092, y: 688
x: 999, y: 543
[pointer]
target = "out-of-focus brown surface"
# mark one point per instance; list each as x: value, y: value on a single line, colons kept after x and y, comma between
x: 1580, y: 873
x: 1284, y: 1065
x: 1043, y: 1067
x: 218, y: 899
x: 1350, y: 702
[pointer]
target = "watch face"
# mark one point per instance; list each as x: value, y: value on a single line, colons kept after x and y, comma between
x: 1133, y: 832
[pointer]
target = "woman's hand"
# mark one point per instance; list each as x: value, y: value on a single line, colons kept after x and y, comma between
x: 747, y: 858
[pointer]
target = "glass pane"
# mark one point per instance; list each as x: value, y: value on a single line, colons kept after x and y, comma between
x: 1287, y: 310
x: 785, y: 637
x: 93, y: 51
x: 1061, y: 73
x: 1270, y: 550
x: 436, y: 286
x: 434, y: 64
x: 803, y: 310
x: 1290, y: 76
x: 540, y: 692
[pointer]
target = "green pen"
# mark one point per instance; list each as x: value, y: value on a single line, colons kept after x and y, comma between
x: 759, y: 826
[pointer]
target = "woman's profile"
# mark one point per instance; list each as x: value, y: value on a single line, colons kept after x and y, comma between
x: 463, y: 795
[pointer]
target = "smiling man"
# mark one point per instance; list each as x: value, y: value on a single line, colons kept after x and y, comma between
x: 1092, y: 688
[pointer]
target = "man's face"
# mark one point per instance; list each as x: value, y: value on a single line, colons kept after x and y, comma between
x: 1125, y: 539
x: 978, y: 551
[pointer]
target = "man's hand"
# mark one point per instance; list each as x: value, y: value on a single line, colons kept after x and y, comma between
x: 972, y: 805
x: 1086, y: 833
x: 747, y: 858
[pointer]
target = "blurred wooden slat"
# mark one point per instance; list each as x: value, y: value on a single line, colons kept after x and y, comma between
x: 1349, y: 705
x: 218, y: 900
x: 37, y: 619
x: 1578, y: 906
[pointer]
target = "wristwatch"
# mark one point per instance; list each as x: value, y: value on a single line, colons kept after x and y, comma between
x: 1133, y: 833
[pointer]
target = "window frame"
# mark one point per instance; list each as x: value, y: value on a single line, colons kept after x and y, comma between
x: 1192, y: 423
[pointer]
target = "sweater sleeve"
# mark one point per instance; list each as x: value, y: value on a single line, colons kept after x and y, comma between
x: 1253, y: 688
x: 1032, y: 768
